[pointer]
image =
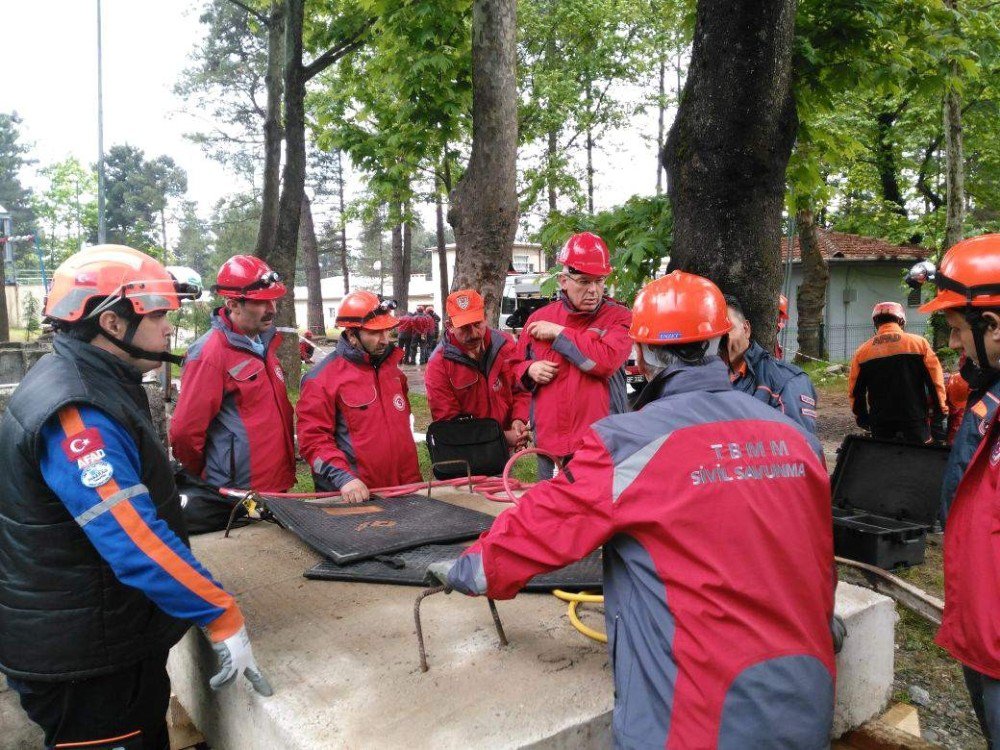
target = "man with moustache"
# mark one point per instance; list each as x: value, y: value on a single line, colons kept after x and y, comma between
x: 572, y: 352
x: 353, y: 411
x: 472, y: 372
x: 233, y: 423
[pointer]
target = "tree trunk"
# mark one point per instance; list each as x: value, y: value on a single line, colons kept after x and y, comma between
x: 402, y: 235
x: 552, y: 156
x: 660, y: 124
x: 268, y: 228
x: 484, y: 204
x: 885, y: 162
x: 310, y: 259
x: 955, y: 161
x: 163, y: 230
x: 590, y: 156
x: 281, y: 256
x: 343, y: 225
x: 402, y: 241
x: 442, y: 248
x: 811, y: 296
x: 727, y: 152
x: 4, y: 318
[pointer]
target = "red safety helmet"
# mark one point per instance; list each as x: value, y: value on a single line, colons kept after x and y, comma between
x: 969, y: 275
x: 586, y: 252
x: 890, y: 308
x: 363, y: 309
x: 679, y: 308
x: 782, y: 310
x: 248, y: 277
x: 112, y: 273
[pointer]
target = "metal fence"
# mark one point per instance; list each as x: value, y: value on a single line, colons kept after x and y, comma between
x: 839, y: 341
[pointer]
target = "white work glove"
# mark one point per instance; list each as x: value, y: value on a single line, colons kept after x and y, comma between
x: 437, y: 574
x: 235, y: 657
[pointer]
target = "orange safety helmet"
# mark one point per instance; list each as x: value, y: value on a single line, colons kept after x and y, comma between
x: 363, y: 309
x: 679, y: 308
x: 969, y: 275
x: 782, y: 310
x: 111, y: 273
x: 586, y: 252
x: 248, y: 277
x: 890, y: 308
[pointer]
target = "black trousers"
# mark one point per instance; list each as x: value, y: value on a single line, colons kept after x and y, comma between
x: 908, y: 432
x: 984, y: 692
x: 126, y: 709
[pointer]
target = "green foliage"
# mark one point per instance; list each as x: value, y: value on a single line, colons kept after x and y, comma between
x: 639, y: 234
x: 66, y: 208
x: 13, y: 195
x: 396, y: 104
x: 136, y: 192
x: 32, y: 324
x: 194, y: 317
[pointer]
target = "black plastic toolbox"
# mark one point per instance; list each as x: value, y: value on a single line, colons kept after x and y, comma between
x: 886, y: 496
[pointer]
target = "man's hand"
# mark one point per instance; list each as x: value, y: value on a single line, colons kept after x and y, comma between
x: 354, y: 491
x: 518, y: 435
x: 543, y: 371
x: 543, y: 330
x: 235, y: 657
x: 437, y: 574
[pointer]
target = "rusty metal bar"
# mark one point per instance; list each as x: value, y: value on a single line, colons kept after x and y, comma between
x: 416, y: 619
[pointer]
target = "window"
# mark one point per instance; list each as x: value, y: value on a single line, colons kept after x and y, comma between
x: 507, y: 305
x: 523, y: 264
x: 913, y: 298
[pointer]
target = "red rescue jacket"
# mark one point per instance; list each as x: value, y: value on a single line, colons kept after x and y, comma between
x: 354, y: 420
x: 457, y: 384
x: 233, y: 422
x: 714, y: 513
x: 970, y: 626
x: 590, y: 385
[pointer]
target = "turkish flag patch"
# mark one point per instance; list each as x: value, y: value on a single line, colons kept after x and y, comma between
x: 82, y: 443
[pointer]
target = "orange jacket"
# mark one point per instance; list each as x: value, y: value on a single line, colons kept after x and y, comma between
x: 896, y: 378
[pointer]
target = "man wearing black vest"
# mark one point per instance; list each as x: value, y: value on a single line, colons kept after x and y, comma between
x: 96, y: 579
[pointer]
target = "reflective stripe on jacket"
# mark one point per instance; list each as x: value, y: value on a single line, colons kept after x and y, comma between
x: 778, y: 384
x: 714, y: 513
x: 233, y: 421
x: 457, y: 384
x: 354, y: 420
x: 590, y: 384
x: 970, y: 626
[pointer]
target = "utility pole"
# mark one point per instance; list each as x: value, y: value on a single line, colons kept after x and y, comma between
x: 102, y: 226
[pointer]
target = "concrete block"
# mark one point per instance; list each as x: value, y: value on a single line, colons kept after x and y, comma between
x: 16, y: 730
x: 865, y: 664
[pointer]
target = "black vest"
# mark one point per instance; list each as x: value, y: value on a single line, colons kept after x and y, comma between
x: 63, y: 614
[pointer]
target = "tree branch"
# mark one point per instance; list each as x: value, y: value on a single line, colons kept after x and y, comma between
x: 338, y: 51
x: 922, y: 187
x: 256, y: 14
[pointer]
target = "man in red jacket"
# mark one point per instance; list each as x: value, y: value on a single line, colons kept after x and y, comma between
x: 719, y: 635
x: 472, y: 371
x: 968, y: 283
x: 233, y: 422
x: 573, y: 351
x: 353, y: 411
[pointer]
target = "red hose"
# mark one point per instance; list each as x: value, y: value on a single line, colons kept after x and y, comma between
x: 488, y: 487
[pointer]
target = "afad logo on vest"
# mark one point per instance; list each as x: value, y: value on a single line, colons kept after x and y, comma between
x: 399, y: 402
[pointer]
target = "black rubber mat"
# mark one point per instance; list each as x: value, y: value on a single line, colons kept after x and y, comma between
x: 407, y: 569
x: 347, y: 533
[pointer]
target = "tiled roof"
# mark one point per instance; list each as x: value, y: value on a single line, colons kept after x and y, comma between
x: 842, y: 246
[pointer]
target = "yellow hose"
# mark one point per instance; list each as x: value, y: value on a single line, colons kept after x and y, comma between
x: 575, y: 600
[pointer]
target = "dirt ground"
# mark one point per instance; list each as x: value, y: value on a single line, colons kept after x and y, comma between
x: 948, y: 718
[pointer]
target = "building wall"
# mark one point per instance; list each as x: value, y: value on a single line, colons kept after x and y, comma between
x: 16, y: 297
x: 854, y: 289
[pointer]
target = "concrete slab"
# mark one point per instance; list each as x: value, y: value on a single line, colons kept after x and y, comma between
x: 865, y: 664
x: 343, y: 660
x: 16, y: 731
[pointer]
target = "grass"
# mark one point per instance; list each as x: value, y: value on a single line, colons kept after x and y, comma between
x: 526, y: 469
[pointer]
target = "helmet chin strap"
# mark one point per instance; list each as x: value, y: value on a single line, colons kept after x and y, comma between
x: 128, y: 347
